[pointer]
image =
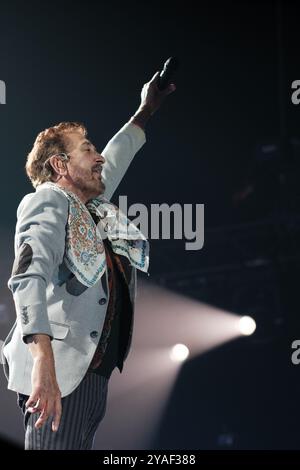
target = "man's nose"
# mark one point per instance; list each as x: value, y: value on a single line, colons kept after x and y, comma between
x: 100, y: 158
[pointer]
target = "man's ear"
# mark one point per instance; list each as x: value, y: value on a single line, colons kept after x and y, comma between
x: 59, y: 166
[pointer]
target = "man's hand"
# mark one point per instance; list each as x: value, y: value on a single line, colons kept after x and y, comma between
x: 45, y: 397
x: 151, y: 99
x: 151, y: 96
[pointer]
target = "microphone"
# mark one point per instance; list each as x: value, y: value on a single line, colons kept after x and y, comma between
x: 165, y: 76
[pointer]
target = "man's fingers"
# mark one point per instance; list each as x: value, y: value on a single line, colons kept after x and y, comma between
x: 47, y: 409
x: 155, y: 77
x: 57, y: 414
x: 33, y: 410
x: 34, y: 405
x: 171, y: 88
x: 42, y: 418
x: 32, y: 400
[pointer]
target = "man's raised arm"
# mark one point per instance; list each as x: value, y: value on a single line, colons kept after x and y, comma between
x: 121, y: 149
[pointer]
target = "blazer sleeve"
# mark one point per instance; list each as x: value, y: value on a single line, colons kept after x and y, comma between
x: 39, y: 249
x: 118, y: 155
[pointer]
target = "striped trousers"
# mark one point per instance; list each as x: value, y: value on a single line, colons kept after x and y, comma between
x: 82, y: 412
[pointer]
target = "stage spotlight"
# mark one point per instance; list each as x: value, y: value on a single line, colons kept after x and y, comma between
x: 141, y: 396
x: 179, y: 353
x: 247, y: 326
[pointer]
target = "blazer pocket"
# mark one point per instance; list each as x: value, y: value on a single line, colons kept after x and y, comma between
x: 59, y: 330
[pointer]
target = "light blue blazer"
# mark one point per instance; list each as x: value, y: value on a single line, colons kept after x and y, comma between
x: 48, y: 298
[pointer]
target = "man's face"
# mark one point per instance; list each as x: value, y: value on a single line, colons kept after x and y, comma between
x: 84, y: 166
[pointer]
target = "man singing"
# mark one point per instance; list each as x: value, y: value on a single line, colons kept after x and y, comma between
x: 74, y: 280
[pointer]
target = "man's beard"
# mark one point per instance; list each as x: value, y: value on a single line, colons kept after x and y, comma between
x: 92, y: 188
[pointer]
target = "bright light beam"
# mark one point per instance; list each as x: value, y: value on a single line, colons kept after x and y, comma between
x: 247, y: 325
x: 179, y: 353
x: 165, y: 324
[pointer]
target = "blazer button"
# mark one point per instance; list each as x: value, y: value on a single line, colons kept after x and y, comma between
x: 102, y: 301
x: 94, y: 334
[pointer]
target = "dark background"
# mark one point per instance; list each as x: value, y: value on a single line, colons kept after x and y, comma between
x: 228, y: 137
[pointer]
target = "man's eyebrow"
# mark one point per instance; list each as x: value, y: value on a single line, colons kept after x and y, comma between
x: 86, y: 142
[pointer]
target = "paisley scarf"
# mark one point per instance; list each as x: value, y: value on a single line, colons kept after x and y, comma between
x: 84, y: 252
